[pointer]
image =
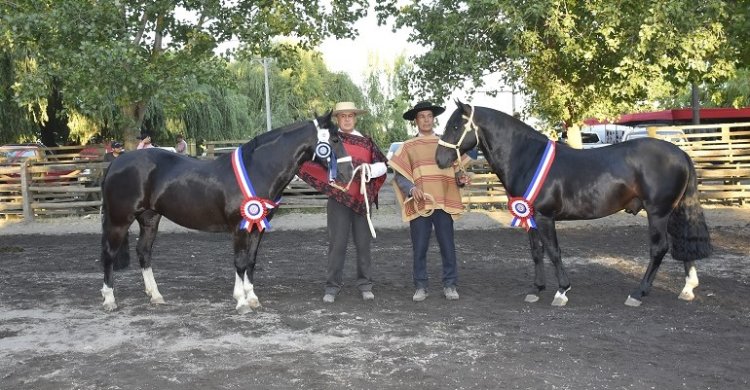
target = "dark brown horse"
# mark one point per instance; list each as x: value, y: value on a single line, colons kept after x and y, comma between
x: 648, y: 174
x: 145, y: 185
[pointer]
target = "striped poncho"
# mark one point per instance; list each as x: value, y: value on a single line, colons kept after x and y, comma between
x: 415, y: 160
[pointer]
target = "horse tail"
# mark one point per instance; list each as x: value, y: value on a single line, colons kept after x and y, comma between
x: 687, y: 224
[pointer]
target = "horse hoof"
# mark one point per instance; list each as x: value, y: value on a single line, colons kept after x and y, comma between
x: 560, y: 301
x: 686, y: 296
x: 157, y: 300
x: 531, y: 298
x: 244, y: 309
x: 254, y: 303
x: 109, y: 306
x: 632, y: 302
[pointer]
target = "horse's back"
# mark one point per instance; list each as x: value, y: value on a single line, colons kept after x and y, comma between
x: 188, y: 191
x: 628, y: 175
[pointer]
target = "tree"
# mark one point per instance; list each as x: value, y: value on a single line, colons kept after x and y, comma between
x: 112, y: 57
x: 573, y: 58
x: 386, y: 98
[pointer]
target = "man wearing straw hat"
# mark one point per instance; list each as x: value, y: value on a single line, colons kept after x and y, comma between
x: 347, y: 210
x: 429, y: 196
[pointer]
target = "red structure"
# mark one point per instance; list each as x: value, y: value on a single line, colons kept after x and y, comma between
x: 680, y: 116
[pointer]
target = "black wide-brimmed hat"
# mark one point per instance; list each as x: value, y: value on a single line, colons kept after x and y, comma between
x: 423, y: 106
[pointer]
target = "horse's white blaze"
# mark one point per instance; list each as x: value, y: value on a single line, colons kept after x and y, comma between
x: 109, y: 298
x: 151, y: 289
x: 252, y: 299
x: 691, y: 282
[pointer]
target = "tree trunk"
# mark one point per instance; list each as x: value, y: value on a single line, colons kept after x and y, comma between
x: 133, y: 115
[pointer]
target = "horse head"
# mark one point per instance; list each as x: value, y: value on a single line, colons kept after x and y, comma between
x: 459, y: 136
x: 329, y: 148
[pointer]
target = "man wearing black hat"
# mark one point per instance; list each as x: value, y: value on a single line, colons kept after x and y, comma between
x: 116, y: 151
x: 429, y: 196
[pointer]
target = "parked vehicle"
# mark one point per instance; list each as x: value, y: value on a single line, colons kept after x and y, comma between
x: 671, y: 135
x: 18, y: 153
x: 392, y: 149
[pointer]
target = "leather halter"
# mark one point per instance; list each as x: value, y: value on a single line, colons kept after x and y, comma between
x: 468, y: 128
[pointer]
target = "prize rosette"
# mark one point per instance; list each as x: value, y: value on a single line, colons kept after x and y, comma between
x: 323, y: 150
x: 254, y: 210
x: 522, y: 211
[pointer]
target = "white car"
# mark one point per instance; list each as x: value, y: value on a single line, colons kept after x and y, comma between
x: 673, y: 136
x: 392, y: 149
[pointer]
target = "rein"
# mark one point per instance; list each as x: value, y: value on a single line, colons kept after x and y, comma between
x: 364, y: 176
x: 427, y: 212
x: 468, y: 127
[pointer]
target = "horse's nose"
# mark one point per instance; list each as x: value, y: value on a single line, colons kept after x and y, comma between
x: 443, y: 157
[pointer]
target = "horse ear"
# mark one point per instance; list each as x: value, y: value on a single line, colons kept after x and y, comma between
x: 463, y: 107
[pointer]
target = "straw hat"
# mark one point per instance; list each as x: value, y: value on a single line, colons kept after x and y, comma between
x: 347, y: 107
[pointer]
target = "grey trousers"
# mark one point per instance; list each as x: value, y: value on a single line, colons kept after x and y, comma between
x: 341, y: 220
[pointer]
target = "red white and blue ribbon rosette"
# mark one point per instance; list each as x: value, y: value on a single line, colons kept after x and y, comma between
x: 254, y: 209
x: 522, y: 208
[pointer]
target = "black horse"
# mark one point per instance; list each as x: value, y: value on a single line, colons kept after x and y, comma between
x: 145, y: 185
x: 648, y: 174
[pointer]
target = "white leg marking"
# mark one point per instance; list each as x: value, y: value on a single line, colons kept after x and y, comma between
x: 691, y: 282
x: 560, y: 298
x: 252, y: 299
x: 632, y: 302
x: 151, y: 289
x: 109, y: 298
x: 239, y: 294
x: 531, y: 298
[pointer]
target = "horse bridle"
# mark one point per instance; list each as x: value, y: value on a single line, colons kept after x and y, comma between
x: 324, y: 150
x: 468, y: 128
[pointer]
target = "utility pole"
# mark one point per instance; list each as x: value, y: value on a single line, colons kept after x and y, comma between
x: 265, y: 62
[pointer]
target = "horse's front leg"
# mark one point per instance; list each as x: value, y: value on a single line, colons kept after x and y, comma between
x: 245, y: 253
x: 548, y: 234
x: 537, y: 254
x: 149, y: 226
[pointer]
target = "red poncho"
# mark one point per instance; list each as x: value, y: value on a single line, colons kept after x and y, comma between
x: 363, y: 151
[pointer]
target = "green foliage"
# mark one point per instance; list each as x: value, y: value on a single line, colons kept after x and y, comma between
x: 114, y: 57
x: 575, y: 58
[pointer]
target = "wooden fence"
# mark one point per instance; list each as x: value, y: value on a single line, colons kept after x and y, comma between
x: 68, y: 181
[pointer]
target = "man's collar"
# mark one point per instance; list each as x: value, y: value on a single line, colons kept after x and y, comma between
x: 354, y: 132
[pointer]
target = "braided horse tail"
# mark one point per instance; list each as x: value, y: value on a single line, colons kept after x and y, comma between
x: 687, y: 224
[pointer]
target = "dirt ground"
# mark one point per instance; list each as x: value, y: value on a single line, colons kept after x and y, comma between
x: 54, y: 334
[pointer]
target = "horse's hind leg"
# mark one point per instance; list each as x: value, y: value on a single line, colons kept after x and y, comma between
x: 549, y: 240
x: 113, y: 239
x: 149, y: 225
x: 691, y: 281
x: 245, y: 253
x: 537, y: 254
x: 657, y: 231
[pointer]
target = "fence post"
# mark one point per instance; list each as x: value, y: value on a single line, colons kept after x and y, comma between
x: 725, y: 133
x: 28, y: 213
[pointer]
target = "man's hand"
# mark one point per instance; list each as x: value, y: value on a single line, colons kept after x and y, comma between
x: 417, y: 194
x: 462, y: 178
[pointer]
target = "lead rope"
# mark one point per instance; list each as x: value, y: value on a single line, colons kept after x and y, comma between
x: 365, y: 176
x: 427, y: 211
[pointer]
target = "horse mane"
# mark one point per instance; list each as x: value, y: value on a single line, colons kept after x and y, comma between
x: 505, y: 121
x: 273, y: 135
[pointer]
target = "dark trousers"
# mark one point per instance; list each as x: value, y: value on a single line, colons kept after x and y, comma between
x: 420, y: 229
x: 342, y: 220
